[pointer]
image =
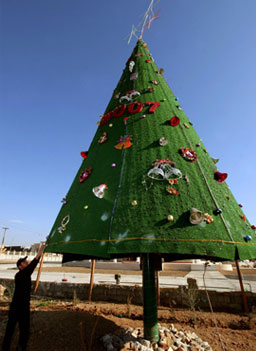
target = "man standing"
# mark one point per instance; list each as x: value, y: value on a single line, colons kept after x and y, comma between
x: 20, y: 305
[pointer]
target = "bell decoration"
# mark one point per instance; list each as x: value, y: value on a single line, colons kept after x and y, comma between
x: 124, y: 143
x: 220, y: 177
x: 174, y: 121
x: 163, y: 170
x: 99, y: 191
x: 85, y: 174
x: 196, y: 216
x: 84, y: 154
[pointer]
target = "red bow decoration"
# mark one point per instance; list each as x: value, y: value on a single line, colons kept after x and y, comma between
x: 174, y: 121
x: 220, y: 177
x: 84, y: 154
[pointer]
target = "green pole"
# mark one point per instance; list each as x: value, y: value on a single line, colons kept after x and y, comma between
x: 149, y: 298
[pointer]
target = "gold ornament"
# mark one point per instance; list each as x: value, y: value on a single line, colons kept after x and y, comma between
x: 134, y: 203
x: 170, y: 218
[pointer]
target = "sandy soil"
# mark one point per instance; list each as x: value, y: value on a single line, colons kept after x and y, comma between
x: 79, y: 327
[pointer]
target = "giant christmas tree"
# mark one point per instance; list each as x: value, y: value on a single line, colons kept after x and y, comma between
x: 147, y: 186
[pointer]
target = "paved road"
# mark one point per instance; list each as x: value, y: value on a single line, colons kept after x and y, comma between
x: 214, y: 280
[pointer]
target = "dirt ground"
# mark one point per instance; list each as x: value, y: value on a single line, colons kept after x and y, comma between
x: 80, y: 326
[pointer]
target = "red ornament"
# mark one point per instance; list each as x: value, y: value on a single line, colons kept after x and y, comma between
x: 84, y: 154
x: 220, y: 177
x: 253, y: 227
x: 174, y: 121
x: 148, y: 61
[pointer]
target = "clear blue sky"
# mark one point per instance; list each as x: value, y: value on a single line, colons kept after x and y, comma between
x: 61, y: 60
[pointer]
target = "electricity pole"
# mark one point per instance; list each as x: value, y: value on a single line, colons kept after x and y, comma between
x: 4, y: 228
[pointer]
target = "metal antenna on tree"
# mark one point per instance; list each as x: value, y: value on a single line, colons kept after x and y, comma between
x: 148, y: 18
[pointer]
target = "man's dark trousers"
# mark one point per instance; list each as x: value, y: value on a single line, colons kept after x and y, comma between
x: 21, y: 315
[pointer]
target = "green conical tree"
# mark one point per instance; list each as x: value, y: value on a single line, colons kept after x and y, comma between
x: 162, y: 192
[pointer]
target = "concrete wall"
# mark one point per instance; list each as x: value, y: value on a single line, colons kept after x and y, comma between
x: 170, y: 297
x: 15, y: 255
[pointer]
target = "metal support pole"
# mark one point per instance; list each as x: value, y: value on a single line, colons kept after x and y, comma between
x: 91, y: 280
x: 157, y: 288
x: 39, y: 273
x: 2, y: 245
x: 246, y: 309
x: 149, y: 298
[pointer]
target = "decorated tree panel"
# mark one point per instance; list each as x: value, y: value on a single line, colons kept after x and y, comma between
x: 148, y: 185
